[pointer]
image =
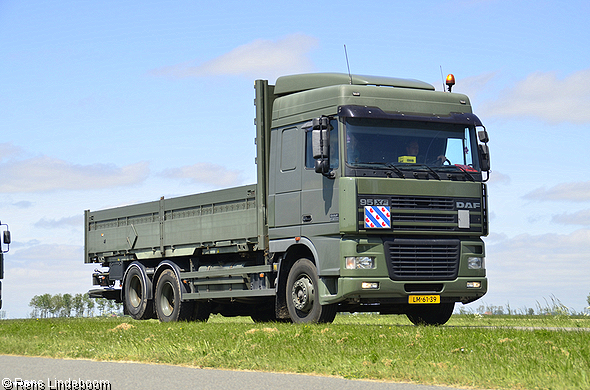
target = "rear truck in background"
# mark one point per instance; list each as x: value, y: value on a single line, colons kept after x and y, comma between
x: 370, y: 197
x: 4, y: 247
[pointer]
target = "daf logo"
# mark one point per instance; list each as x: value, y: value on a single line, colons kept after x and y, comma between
x: 468, y: 205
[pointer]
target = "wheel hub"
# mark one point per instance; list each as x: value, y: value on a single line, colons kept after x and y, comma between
x: 302, y: 294
x: 134, y: 292
x: 167, y: 299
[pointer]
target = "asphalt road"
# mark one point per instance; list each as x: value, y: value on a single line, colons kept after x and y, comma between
x: 53, y: 374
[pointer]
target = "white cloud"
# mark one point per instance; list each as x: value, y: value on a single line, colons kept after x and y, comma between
x: 499, y: 178
x: 581, y: 217
x: 575, y: 191
x: 41, y: 174
x: 205, y: 173
x: 527, y: 268
x: 49, y: 253
x: 40, y: 269
x: 23, y: 204
x: 259, y: 58
x: 543, y: 95
x: 8, y: 150
x: 66, y: 222
x: 474, y: 85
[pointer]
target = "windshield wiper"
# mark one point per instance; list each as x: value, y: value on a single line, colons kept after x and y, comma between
x: 466, y: 173
x: 396, y: 169
x: 412, y: 166
x: 382, y: 164
x: 463, y: 170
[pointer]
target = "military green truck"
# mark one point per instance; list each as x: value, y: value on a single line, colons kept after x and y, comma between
x: 370, y: 197
x: 3, y: 249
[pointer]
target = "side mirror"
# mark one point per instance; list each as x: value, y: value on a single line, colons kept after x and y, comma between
x: 320, y: 141
x: 5, y: 240
x: 484, y: 151
x: 484, y: 157
x: 322, y: 166
x: 483, y: 136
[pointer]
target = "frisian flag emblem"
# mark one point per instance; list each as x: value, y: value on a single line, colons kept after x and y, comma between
x: 377, y: 217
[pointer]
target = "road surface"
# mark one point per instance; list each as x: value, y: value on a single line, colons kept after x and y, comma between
x: 18, y: 372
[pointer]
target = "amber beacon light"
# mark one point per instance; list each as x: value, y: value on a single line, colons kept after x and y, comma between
x: 450, y: 81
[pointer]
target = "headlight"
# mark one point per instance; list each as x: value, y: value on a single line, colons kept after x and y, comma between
x: 361, y: 262
x: 475, y: 263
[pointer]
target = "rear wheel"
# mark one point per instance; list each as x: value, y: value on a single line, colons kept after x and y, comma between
x: 168, y: 299
x: 431, y: 314
x: 136, y: 302
x: 302, y: 297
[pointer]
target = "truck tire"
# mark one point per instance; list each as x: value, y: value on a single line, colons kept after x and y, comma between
x: 201, y: 311
x: 267, y: 313
x: 302, y: 297
x: 433, y: 315
x: 167, y: 300
x: 136, y: 302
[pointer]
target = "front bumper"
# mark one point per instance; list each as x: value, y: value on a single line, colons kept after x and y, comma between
x: 404, y: 267
x: 398, y: 292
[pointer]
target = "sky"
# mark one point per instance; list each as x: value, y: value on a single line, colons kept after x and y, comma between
x: 110, y: 103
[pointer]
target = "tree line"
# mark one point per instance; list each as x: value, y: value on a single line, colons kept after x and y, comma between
x: 68, y: 305
x: 553, y: 306
x: 81, y: 305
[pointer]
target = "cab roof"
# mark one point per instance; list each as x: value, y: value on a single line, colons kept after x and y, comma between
x: 286, y: 85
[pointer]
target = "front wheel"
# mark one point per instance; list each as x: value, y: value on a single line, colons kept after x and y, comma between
x: 431, y: 314
x: 168, y: 299
x: 302, y: 297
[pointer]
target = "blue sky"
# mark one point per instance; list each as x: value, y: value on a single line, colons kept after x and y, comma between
x: 110, y: 103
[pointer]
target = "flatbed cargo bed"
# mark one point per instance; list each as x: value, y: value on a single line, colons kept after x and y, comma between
x: 214, y: 222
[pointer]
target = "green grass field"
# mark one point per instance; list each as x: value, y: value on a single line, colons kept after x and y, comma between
x: 471, y: 351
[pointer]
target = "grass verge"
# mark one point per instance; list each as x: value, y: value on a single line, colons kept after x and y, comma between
x: 354, y: 346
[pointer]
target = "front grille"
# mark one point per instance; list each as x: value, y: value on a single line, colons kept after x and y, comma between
x: 422, y: 259
x: 430, y: 218
x: 422, y: 202
x: 413, y: 213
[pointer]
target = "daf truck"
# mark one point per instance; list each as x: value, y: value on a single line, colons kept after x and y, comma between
x: 370, y: 197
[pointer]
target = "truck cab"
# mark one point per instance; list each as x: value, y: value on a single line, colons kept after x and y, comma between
x: 380, y: 181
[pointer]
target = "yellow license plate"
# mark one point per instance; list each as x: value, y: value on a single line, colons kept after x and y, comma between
x: 420, y: 299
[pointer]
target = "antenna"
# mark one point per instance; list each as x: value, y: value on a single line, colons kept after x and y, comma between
x: 442, y: 78
x: 348, y: 65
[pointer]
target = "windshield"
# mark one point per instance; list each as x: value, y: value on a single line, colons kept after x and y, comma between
x: 409, y: 145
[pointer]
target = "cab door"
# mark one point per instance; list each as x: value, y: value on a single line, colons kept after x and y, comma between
x: 319, y: 194
x: 320, y: 209
x: 287, y: 143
